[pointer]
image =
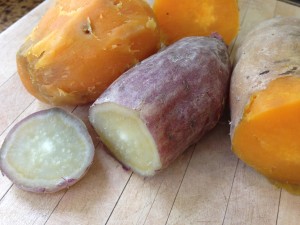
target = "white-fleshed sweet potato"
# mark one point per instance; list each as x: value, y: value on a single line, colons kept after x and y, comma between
x: 47, y: 151
x: 156, y: 110
x: 265, y: 100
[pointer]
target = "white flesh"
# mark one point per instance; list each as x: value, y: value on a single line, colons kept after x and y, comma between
x: 126, y: 136
x: 46, y: 151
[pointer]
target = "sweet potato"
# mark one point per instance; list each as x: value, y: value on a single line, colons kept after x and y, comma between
x: 80, y: 47
x: 47, y: 151
x: 156, y: 110
x: 265, y: 100
x: 178, y: 19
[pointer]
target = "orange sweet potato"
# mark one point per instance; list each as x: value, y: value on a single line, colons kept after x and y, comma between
x: 80, y: 47
x: 265, y: 100
x: 178, y: 19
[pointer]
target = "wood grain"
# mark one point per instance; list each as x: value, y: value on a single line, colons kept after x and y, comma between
x: 206, y: 185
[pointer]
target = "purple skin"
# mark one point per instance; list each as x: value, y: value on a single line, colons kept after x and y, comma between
x: 179, y: 92
x: 66, y: 182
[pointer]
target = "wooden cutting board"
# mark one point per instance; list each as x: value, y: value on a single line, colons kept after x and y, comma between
x: 206, y: 185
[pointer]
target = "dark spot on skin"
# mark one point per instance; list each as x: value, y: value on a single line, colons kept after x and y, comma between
x: 282, y: 61
x: 207, y: 93
x: 290, y: 71
x: 167, y: 13
x: 86, y: 30
x: 264, y: 72
x: 41, y: 190
x: 87, y: 27
x: 116, y: 2
x: 171, y: 137
x: 41, y: 55
x: 71, y: 180
x: 193, y: 123
x: 247, y: 77
x: 223, y: 56
x: 186, y: 85
x: 126, y: 168
x: 296, y: 34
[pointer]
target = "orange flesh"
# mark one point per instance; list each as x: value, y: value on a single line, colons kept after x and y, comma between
x: 178, y: 19
x: 80, y: 47
x: 268, y: 136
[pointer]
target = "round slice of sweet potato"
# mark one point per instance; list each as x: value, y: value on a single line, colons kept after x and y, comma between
x: 47, y: 151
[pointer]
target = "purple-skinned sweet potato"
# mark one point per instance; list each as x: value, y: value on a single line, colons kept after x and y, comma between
x: 47, y: 151
x: 156, y: 110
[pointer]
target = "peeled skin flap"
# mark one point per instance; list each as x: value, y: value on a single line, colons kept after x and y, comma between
x: 172, y: 99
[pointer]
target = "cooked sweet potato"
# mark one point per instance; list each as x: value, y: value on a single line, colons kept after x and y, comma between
x: 156, y: 110
x: 178, y: 19
x: 47, y: 151
x: 265, y: 100
x: 80, y: 47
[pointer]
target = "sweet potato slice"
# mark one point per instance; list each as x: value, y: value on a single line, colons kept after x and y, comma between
x: 265, y: 100
x: 80, y: 47
x: 178, y: 19
x: 47, y: 151
x: 157, y: 109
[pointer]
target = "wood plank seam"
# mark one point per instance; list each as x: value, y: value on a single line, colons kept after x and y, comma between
x: 10, y: 77
x: 279, y: 200
x: 12, y: 122
x: 231, y: 50
x: 237, y: 163
x: 194, y: 147
x: 153, y: 202
x: 241, y: 22
x: 118, y: 199
x: 65, y: 191
x: 2, y: 197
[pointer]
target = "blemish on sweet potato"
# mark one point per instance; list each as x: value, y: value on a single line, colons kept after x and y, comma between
x: 87, y: 27
x: 291, y: 71
x: 264, y: 72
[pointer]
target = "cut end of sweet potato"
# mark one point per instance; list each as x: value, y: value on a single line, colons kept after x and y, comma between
x: 178, y: 19
x: 267, y: 138
x: 47, y: 151
x: 128, y: 138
